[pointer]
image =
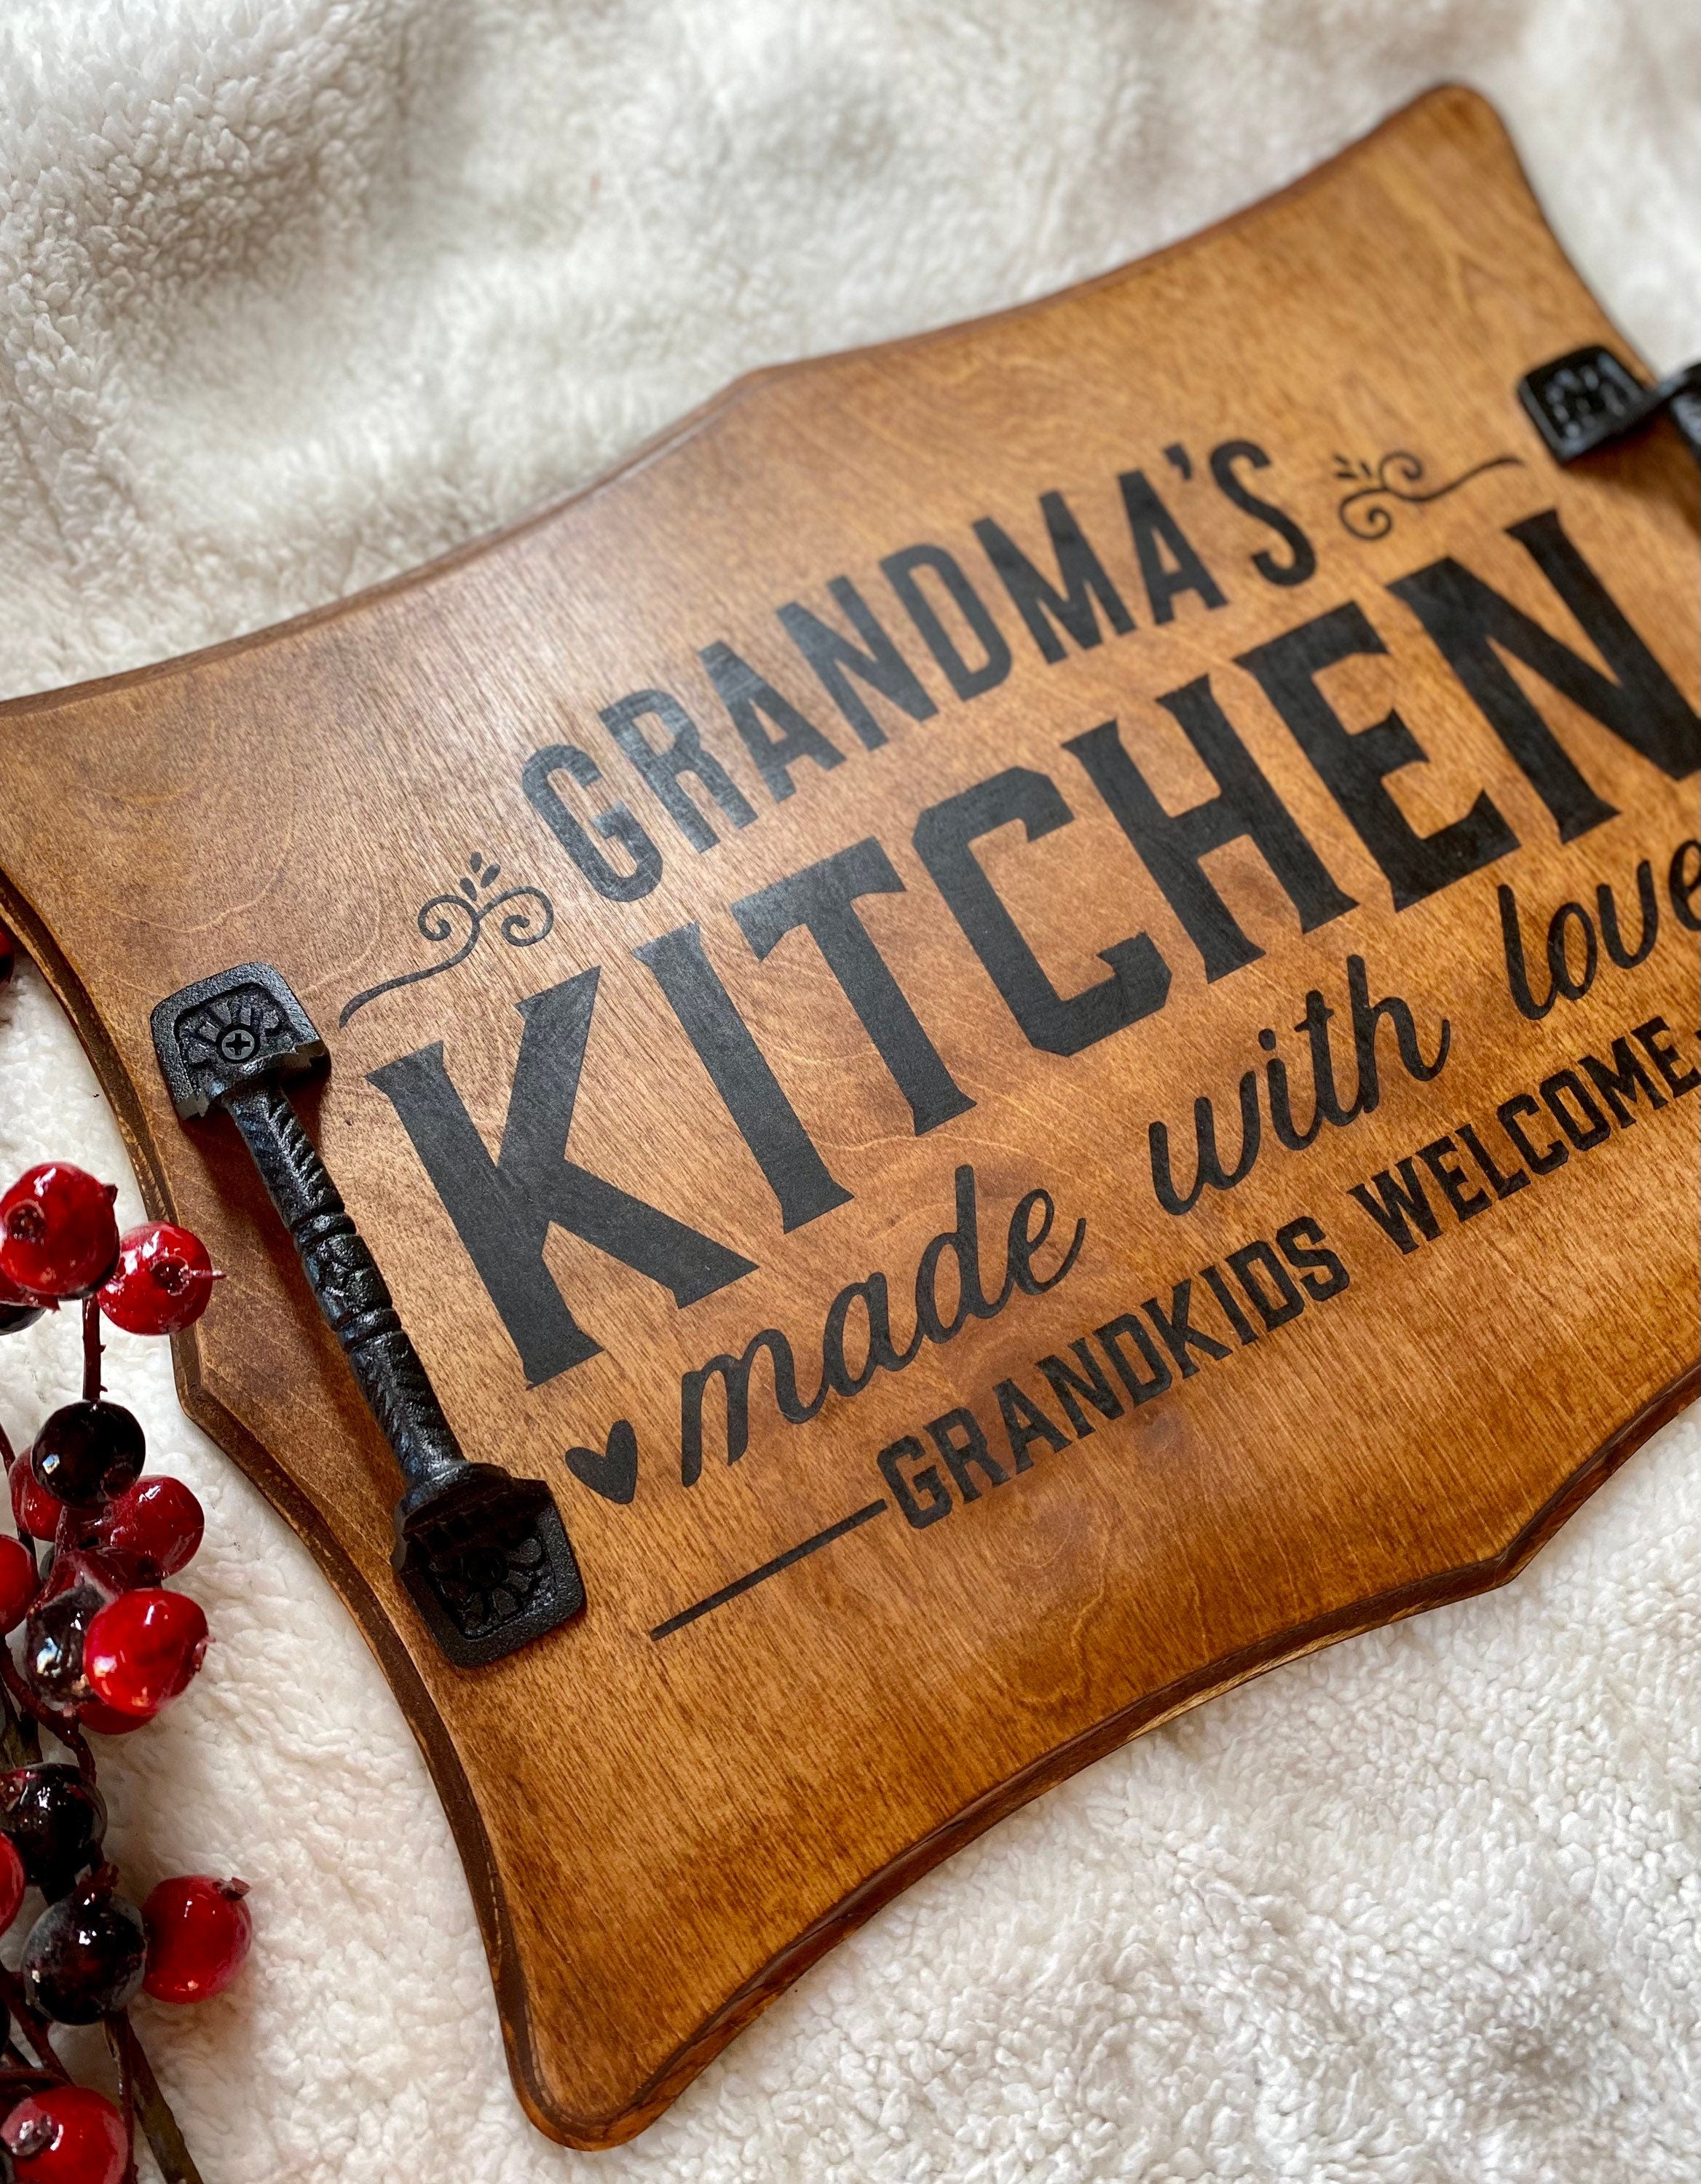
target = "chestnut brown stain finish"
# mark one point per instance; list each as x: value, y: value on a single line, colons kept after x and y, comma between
x: 1035, y: 1062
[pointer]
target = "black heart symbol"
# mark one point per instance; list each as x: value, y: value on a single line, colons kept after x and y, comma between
x: 614, y: 1474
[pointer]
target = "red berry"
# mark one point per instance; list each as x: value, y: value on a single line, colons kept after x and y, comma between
x: 162, y: 1283
x: 108, y: 1721
x: 37, y: 1512
x: 8, y: 954
x: 143, y: 1648
x: 57, y: 1235
x: 11, y: 1881
x: 154, y: 1527
x: 199, y: 1933
x: 67, y: 2135
x: 18, y: 1585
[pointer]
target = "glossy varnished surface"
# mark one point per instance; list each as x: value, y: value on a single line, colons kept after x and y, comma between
x: 662, y: 1829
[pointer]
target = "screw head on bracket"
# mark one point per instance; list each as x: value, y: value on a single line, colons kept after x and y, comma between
x: 228, y: 1031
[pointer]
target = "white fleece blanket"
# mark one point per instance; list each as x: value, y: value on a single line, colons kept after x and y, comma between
x: 296, y: 293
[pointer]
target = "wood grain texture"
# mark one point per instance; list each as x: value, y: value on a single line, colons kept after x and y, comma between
x: 661, y: 1832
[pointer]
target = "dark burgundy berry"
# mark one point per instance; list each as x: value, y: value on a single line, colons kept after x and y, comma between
x: 8, y: 954
x: 199, y: 1933
x: 84, y: 1957
x: 153, y: 1527
x: 163, y: 1281
x: 54, y: 1638
x: 71, y: 1564
x: 58, y: 1234
x: 19, y: 1583
x: 86, y: 1453
x: 66, y: 2135
x: 79, y: 1585
x: 54, y: 1820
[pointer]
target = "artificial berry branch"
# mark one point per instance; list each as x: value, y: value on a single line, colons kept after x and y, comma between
x: 105, y: 1645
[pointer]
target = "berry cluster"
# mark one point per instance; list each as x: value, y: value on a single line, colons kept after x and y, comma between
x: 104, y: 1645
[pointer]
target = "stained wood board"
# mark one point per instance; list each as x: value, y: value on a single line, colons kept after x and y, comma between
x: 1298, y: 432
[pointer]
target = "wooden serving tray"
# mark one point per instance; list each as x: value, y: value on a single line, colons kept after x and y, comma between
x: 961, y: 630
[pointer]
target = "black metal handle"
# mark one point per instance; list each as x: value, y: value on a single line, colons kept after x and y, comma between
x: 350, y: 1291
x: 484, y: 1555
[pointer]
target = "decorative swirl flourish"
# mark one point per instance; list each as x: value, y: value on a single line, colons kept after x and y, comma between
x: 528, y: 917
x: 1396, y: 478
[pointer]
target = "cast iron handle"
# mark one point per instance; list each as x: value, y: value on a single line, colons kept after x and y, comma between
x: 484, y: 1555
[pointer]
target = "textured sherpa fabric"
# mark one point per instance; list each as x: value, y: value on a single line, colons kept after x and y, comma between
x: 295, y: 293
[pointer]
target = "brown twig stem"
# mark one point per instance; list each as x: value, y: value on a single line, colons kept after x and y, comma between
x: 126, y: 2100
x: 91, y: 1351
x: 157, y: 2122
x: 20, y: 2080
